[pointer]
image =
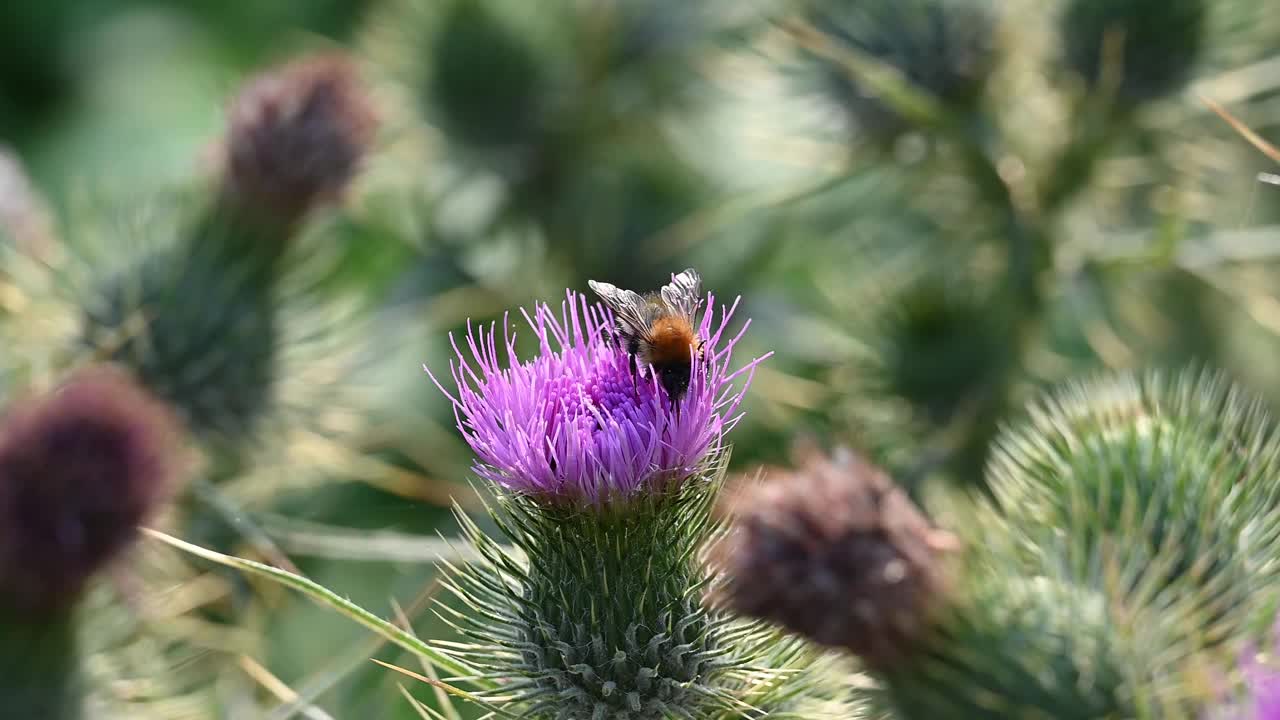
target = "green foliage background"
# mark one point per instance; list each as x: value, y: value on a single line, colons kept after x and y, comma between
x: 922, y: 256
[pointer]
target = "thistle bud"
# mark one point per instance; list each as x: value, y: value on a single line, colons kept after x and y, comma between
x: 1020, y: 646
x: 945, y: 48
x: 936, y: 344
x: 80, y: 469
x: 210, y: 346
x: 1156, y: 43
x: 836, y: 552
x: 297, y: 135
x: 1170, y: 473
x: 507, y: 109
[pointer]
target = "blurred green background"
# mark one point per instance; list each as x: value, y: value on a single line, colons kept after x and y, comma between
x: 930, y: 208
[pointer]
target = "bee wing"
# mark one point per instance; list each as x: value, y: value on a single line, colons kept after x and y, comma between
x: 628, y: 305
x: 684, y: 294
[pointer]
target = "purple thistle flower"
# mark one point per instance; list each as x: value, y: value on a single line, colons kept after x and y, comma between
x: 1260, y: 699
x: 1264, y: 690
x: 573, y: 424
x: 1263, y: 682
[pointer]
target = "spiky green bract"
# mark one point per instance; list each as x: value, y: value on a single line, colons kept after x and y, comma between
x: 926, y: 384
x: 1157, y: 44
x: 197, y: 322
x: 944, y: 48
x: 597, y: 614
x: 1172, y: 473
x: 802, y: 682
x: 1025, y: 630
x: 1017, y: 648
x: 40, y: 674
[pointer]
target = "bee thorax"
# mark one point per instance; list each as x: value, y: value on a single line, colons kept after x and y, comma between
x: 671, y: 340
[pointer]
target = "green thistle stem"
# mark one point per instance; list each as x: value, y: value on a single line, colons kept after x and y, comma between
x: 1098, y: 124
x: 40, y: 677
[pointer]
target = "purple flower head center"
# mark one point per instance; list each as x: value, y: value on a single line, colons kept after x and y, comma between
x: 574, y: 424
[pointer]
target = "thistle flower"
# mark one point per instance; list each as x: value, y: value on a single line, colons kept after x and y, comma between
x: 297, y: 135
x: 574, y: 425
x: 79, y: 471
x: 1260, y: 699
x: 606, y: 488
x: 836, y: 552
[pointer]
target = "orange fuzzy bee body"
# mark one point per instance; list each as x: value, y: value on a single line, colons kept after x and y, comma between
x: 671, y: 340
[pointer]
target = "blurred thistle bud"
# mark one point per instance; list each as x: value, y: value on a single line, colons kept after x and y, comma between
x: 1169, y: 475
x: 1145, y: 49
x: 297, y: 135
x: 486, y: 85
x: 80, y: 470
x: 37, y: 73
x: 945, y: 48
x: 836, y: 552
x: 604, y: 214
x: 940, y: 344
x: 935, y: 341
x: 1020, y: 645
x: 197, y: 319
x: 197, y: 325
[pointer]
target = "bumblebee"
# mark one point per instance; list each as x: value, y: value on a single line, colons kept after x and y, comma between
x: 657, y: 329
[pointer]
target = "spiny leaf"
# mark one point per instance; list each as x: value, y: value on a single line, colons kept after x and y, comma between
x: 323, y: 596
x: 452, y: 690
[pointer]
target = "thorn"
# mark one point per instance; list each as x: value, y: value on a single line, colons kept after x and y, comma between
x: 1254, y: 139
